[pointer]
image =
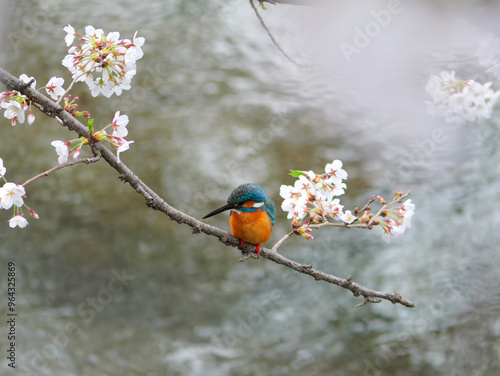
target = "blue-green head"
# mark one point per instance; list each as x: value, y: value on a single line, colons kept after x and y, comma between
x: 244, y: 194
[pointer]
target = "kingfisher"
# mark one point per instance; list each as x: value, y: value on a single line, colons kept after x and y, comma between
x: 252, y: 214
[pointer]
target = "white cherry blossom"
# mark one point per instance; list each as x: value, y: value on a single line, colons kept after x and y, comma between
x: 11, y: 194
x: 18, y: 221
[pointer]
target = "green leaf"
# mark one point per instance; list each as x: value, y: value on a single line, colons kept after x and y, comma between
x: 91, y: 126
x: 296, y: 173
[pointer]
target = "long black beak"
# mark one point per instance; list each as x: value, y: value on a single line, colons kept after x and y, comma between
x: 220, y: 210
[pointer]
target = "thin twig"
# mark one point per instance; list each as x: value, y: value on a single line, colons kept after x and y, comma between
x: 154, y: 201
x: 386, y: 204
x: 368, y: 225
x: 294, y: 2
x: 272, y: 37
x: 338, y: 224
x: 280, y: 242
x: 67, y: 164
x: 370, y: 201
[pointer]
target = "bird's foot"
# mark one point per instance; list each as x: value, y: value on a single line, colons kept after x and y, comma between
x: 257, y: 248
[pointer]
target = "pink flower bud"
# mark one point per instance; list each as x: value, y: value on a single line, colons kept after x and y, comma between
x: 34, y: 214
x: 31, y: 118
x: 76, y: 153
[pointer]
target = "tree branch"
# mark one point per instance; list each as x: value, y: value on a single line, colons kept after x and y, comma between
x: 264, y: 26
x: 155, y: 202
x: 294, y: 2
x: 58, y: 167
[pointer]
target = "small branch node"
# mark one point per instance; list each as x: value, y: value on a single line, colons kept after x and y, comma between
x: 93, y: 159
x: 396, y: 298
x: 305, y: 267
x: 368, y: 299
x: 150, y: 203
x: 347, y: 282
x: 361, y: 304
x: 354, y: 288
x: 29, y: 83
x: 246, y: 256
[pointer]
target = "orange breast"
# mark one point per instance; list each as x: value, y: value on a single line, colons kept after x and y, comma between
x: 254, y: 227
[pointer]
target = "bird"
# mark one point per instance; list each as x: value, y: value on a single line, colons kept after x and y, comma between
x: 252, y: 214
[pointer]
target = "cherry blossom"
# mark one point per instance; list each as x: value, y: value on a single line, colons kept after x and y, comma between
x: 13, y: 111
x: 335, y: 170
x: 119, y: 125
x: 460, y: 101
x: 18, y: 221
x: 3, y: 170
x: 124, y: 145
x: 71, y: 34
x: 397, y: 220
x: 31, y: 118
x: 54, y: 87
x: 62, y: 150
x: 348, y: 217
x: 11, y: 194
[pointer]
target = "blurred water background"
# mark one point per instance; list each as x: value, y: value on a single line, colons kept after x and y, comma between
x: 214, y: 104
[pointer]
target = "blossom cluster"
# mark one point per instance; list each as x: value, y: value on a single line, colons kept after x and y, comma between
x: 314, y: 194
x: 488, y: 54
x: 460, y: 101
x: 396, y: 220
x: 117, y: 139
x: 12, y: 196
x: 105, y: 63
x: 312, y: 200
x: 16, y: 104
